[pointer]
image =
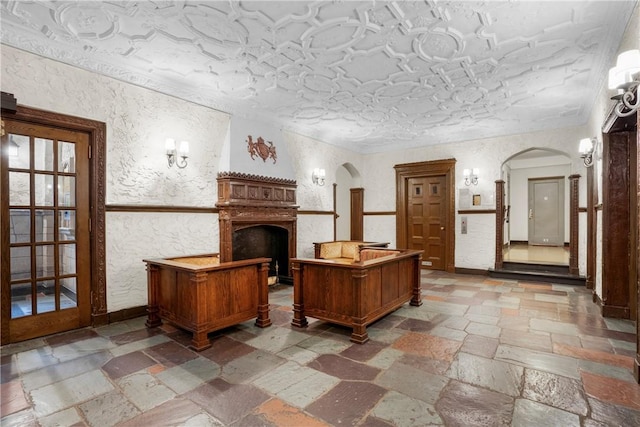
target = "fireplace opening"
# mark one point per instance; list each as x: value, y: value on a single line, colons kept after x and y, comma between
x: 264, y: 241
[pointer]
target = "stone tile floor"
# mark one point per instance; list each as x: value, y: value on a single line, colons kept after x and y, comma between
x: 478, y: 352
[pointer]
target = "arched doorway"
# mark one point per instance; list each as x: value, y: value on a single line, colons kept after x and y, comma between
x: 347, y: 178
x: 536, y: 228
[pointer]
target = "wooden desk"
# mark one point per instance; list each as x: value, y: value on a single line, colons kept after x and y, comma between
x: 201, y: 295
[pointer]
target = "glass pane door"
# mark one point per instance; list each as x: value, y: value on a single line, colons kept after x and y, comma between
x: 44, y: 206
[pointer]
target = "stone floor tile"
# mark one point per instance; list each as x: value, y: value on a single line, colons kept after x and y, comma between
x: 12, y: 398
x: 613, y: 415
x: 385, y: 358
x: 132, y: 336
x: 61, y: 371
x: 385, y: 336
x: 595, y: 356
x: 464, y: 405
x: 445, y: 308
x: 297, y: 385
x: 480, y: 346
x: 280, y: 414
x: 425, y: 364
x: 63, y: 394
x: 70, y: 337
x: 418, y: 325
x: 520, y: 323
x: 82, y: 348
x: 297, y: 354
x: 32, y: 360
x: 428, y: 346
x: 227, y: 402
x: 224, y: 349
x: 127, y: 364
x: 483, y: 330
x: 554, y: 390
x: 108, y: 410
x: 612, y: 390
x: 346, y: 403
x: 140, y: 345
x: 362, y: 353
x: 277, y: 339
x: 528, y: 413
x: 464, y: 293
x: 488, y: 373
x: 24, y: 418
x: 560, y: 299
x: 620, y: 325
x: 412, y: 382
x: 175, y: 412
x: 485, y: 310
x: 401, y: 410
x: 556, y: 364
x: 170, y: 354
x: 482, y: 318
x: 144, y: 390
x: 448, y: 333
x: 250, y: 366
x: 343, y: 368
x: 322, y: 345
x: 571, y: 340
x: 67, y: 417
x: 605, y: 370
x: 535, y: 341
x: 189, y: 375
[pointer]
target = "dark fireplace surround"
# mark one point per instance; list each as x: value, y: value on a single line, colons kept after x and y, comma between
x: 258, y: 217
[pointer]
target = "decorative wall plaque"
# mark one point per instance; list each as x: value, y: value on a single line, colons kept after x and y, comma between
x: 261, y: 149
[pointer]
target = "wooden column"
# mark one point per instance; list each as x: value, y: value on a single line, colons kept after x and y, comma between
x: 636, y: 368
x: 573, y: 224
x: 357, y: 214
x: 499, y: 223
x: 592, y: 194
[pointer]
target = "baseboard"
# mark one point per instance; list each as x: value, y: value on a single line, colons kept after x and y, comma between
x: 616, y: 311
x: 474, y: 271
x: 127, y: 313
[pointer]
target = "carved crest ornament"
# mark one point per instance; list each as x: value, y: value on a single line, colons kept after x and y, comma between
x: 261, y: 149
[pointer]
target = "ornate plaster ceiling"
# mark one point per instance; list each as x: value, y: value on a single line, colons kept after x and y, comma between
x: 365, y: 75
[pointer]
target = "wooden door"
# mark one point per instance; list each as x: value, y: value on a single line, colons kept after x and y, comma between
x: 45, y: 230
x: 546, y: 211
x: 427, y: 218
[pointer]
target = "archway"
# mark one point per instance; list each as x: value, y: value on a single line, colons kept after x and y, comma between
x: 536, y: 227
x: 347, y: 177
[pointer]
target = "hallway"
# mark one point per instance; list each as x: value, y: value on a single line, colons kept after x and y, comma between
x: 550, y: 255
x: 478, y: 352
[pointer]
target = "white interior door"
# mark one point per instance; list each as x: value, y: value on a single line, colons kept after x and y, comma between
x: 546, y: 211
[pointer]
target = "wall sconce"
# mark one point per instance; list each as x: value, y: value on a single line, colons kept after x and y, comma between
x: 625, y: 77
x: 471, y: 176
x: 13, y: 147
x: 318, y: 176
x: 586, y: 148
x: 172, y: 154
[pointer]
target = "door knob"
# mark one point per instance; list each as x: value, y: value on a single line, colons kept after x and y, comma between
x: 441, y: 228
x: 530, y: 213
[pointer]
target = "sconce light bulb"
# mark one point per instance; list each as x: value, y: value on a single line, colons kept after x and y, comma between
x: 184, y: 148
x: 170, y: 144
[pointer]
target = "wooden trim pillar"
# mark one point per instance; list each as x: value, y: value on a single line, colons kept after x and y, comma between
x: 591, y: 228
x: 500, y: 211
x: 573, y: 224
x: 357, y: 214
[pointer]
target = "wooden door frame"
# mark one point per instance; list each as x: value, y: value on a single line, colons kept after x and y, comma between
x: 97, y: 144
x: 356, y: 213
x: 407, y: 171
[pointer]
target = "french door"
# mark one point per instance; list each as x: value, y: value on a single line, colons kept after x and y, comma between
x: 45, y: 230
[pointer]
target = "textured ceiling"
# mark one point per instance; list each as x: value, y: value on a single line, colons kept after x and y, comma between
x: 367, y: 76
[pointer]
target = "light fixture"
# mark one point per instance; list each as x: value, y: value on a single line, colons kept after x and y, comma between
x: 318, y: 176
x: 625, y: 77
x: 13, y: 147
x: 471, y: 176
x: 172, y: 154
x: 586, y: 148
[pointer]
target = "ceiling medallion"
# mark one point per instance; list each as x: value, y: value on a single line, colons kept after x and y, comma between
x: 261, y: 149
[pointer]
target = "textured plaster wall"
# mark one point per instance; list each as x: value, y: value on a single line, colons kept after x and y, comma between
x: 138, y: 121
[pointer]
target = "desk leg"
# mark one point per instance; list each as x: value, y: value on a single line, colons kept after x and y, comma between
x: 299, y: 320
x: 263, y: 319
x: 153, y: 318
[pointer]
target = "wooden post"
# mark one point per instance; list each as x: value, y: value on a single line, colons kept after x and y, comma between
x: 499, y: 223
x: 573, y: 224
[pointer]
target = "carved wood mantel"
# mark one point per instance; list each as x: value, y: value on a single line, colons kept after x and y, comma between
x: 249, y: 200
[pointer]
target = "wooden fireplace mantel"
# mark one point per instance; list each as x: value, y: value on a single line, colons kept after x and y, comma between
x: 246, y: 200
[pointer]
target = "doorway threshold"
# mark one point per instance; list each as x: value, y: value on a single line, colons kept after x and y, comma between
x: 547, y: 273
